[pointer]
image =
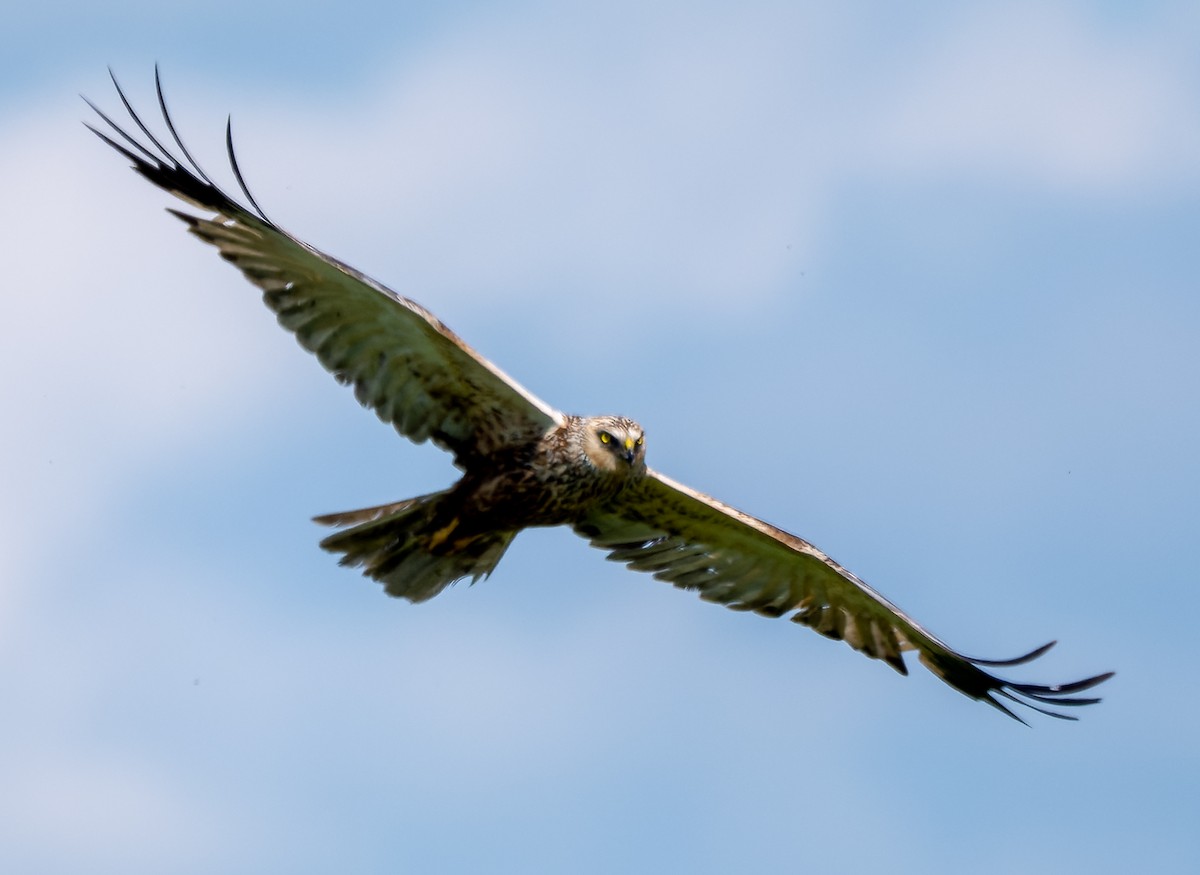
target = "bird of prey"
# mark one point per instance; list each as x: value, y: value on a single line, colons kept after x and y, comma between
x: 525, y: 463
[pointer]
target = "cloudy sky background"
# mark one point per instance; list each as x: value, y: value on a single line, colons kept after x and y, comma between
x: 919, y: 285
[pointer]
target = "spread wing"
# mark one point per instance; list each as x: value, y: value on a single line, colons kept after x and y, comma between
x: 695, y: 542
x: 402, y: 361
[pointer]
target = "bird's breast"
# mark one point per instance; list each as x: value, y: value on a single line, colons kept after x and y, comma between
x: 546, y: 490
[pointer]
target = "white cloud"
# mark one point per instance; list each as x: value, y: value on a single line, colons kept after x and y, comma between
x: 677, y: 185
x: 124, y: 342
x: 474, y: 178
x: 1038, y: 93
x: 526, y: 182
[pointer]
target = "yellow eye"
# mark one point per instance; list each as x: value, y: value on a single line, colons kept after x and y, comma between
x: 605, y: 437
x: 639, y: 441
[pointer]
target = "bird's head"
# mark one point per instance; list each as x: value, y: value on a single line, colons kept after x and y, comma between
x: 614, y: 443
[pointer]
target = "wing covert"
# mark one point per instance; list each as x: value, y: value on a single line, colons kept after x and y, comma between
x: 698, y: 543
x: 413, y: 371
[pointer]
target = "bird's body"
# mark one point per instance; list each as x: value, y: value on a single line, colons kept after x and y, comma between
x: 419, y: 546
x: 525, y: 463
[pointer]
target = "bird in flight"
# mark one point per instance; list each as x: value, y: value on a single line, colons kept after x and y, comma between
x: 525, y: 463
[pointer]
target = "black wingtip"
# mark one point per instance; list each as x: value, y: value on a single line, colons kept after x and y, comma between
x: 1016, y: 660
x: 149, y: 156
x: 968, y: 676
x: 982, y: 685
x: 162, y: 106
x: 237, y: 171
x: 165, y: 154
x: 995, y: 703
x: 1035, y: 696
x: 175, y: 171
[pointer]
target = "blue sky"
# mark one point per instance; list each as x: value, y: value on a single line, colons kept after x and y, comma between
x: 919, y: 286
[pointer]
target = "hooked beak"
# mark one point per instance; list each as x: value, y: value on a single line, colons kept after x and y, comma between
x: 630, y: 450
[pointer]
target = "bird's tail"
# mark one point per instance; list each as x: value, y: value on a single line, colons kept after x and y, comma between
x: 410, y: 548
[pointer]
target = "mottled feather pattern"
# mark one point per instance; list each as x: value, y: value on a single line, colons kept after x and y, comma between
x: 403, y: 362
x: 655, y: 529
x: 695, y: 542
x: 526, y: 464
x: 391, y: 544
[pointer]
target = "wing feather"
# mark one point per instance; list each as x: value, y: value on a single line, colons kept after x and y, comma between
x: 698, y: 543
x: 414, y: 372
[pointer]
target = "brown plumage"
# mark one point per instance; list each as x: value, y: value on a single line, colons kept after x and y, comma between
x: 418, y: 547
x: 526, y: 464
